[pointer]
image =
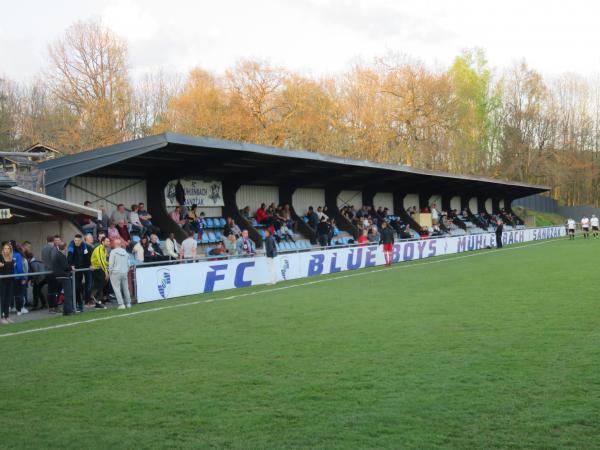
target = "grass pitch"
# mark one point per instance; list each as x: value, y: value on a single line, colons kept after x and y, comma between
x: 494, y: 349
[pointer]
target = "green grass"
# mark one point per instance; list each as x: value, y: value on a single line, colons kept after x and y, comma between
x: 541, y: 219
x: 498, y: 350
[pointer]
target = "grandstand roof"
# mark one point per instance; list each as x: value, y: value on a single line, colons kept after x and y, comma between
x: 177, y: 155
x: 26, y: 205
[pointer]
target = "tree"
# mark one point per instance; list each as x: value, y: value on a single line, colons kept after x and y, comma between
x: 89, y: 75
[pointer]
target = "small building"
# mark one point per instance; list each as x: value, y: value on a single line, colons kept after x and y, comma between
x: 22, y: 166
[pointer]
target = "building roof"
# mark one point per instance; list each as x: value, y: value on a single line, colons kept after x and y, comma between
x: 27, y: 206
x: 177, y: 156
x: 41, y: 148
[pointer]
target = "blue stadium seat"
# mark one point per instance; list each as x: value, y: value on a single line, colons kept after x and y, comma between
x: 209, y: 223
x: 286, y: 245
x: 261, y: 232
x: 279, y: 247
x: 204, y: 239
x: 211, y: 237
x: 292, y: 245
x: 222, y: 222
x: 219, y: 235
x: 135, y: 238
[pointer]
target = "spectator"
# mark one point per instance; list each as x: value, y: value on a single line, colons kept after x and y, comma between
x: 63, y: 272
x: 118, y: 269
x: 156, y: 253
x: 286, y: 214
x: 118, y: 214
x: 7, y: 267
x: 53, y: 286
x: 217, y: 250
x: 261, y: 215
x: 37, y: 281
x: 245, y: 245
x: 245, y: 213
x: 172, y: 248
x: 387, y: 239
x: 140, y: 249
x: 271, y: 253
x: 103, y: 222
x: 134, y: 220
x: 231, y: 228
x: 99, y: 266
x: 176, y: 216
x: 77, y: 257
x: 373, y: 234
x: 146, y: 219
x: 231, y: 244
x: 194, y: 220
x: 406, y: 234
x: 323, y: 229
x: 284, y: 233
x: 113, y: 232
x: 313, y: 219
x: 363, y: 239
x: 435, y: 214
x: 123, y: 233
x: 86, y: 223
x: 87, y: 275
x: 321, y: 214
x: 189, y: 246
x: 20, y: 281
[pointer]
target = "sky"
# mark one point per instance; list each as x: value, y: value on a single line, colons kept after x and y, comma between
x: 315, y: 37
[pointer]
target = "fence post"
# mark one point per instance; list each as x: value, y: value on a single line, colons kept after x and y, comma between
x: 74, y: 287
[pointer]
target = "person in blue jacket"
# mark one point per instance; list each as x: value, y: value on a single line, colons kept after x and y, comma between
x: 20, y: 282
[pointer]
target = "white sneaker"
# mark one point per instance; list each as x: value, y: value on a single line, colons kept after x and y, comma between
x: 128, y: 305
x: 13, y: 310
x: 121, y: 307
x: 19, y: 313
x: 24, y: 310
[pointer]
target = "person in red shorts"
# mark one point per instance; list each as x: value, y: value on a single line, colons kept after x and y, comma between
x: 387, y: 239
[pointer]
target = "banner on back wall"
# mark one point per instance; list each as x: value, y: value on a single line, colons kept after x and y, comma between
x: 163, y: 282
x: 196, y: 192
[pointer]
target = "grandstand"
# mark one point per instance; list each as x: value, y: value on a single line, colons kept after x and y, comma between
x: 225, y: 177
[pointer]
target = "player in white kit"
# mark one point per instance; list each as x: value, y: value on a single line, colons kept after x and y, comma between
x: 585, y: 227
x: 571, y: 228
x: 595, y: 226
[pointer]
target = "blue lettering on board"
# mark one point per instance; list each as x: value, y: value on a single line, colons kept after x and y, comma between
x: 370, y: 256
x: 213, y: 275
x: 315, y: 265
x: 333, y: 268
x: 352, y: 264
x: 239, y: 274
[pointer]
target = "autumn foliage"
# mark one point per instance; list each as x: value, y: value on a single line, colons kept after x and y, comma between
x: 466, y: 118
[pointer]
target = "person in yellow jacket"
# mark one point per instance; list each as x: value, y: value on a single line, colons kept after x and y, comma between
x: 99, y: 266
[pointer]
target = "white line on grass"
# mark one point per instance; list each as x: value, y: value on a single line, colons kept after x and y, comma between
x: 266, y: 291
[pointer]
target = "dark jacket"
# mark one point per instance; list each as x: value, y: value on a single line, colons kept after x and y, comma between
x: 323, y: 229
x: 78, y: 257
x: 313, y: 220
x: 47, y: 252
x: 270, y: 247
x: 387, y: 236
x: 60, y: 265
x: 499, y: 229
x: 157, y: 249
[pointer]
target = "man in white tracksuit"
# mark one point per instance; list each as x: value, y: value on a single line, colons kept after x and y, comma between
x: 118, y: 268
